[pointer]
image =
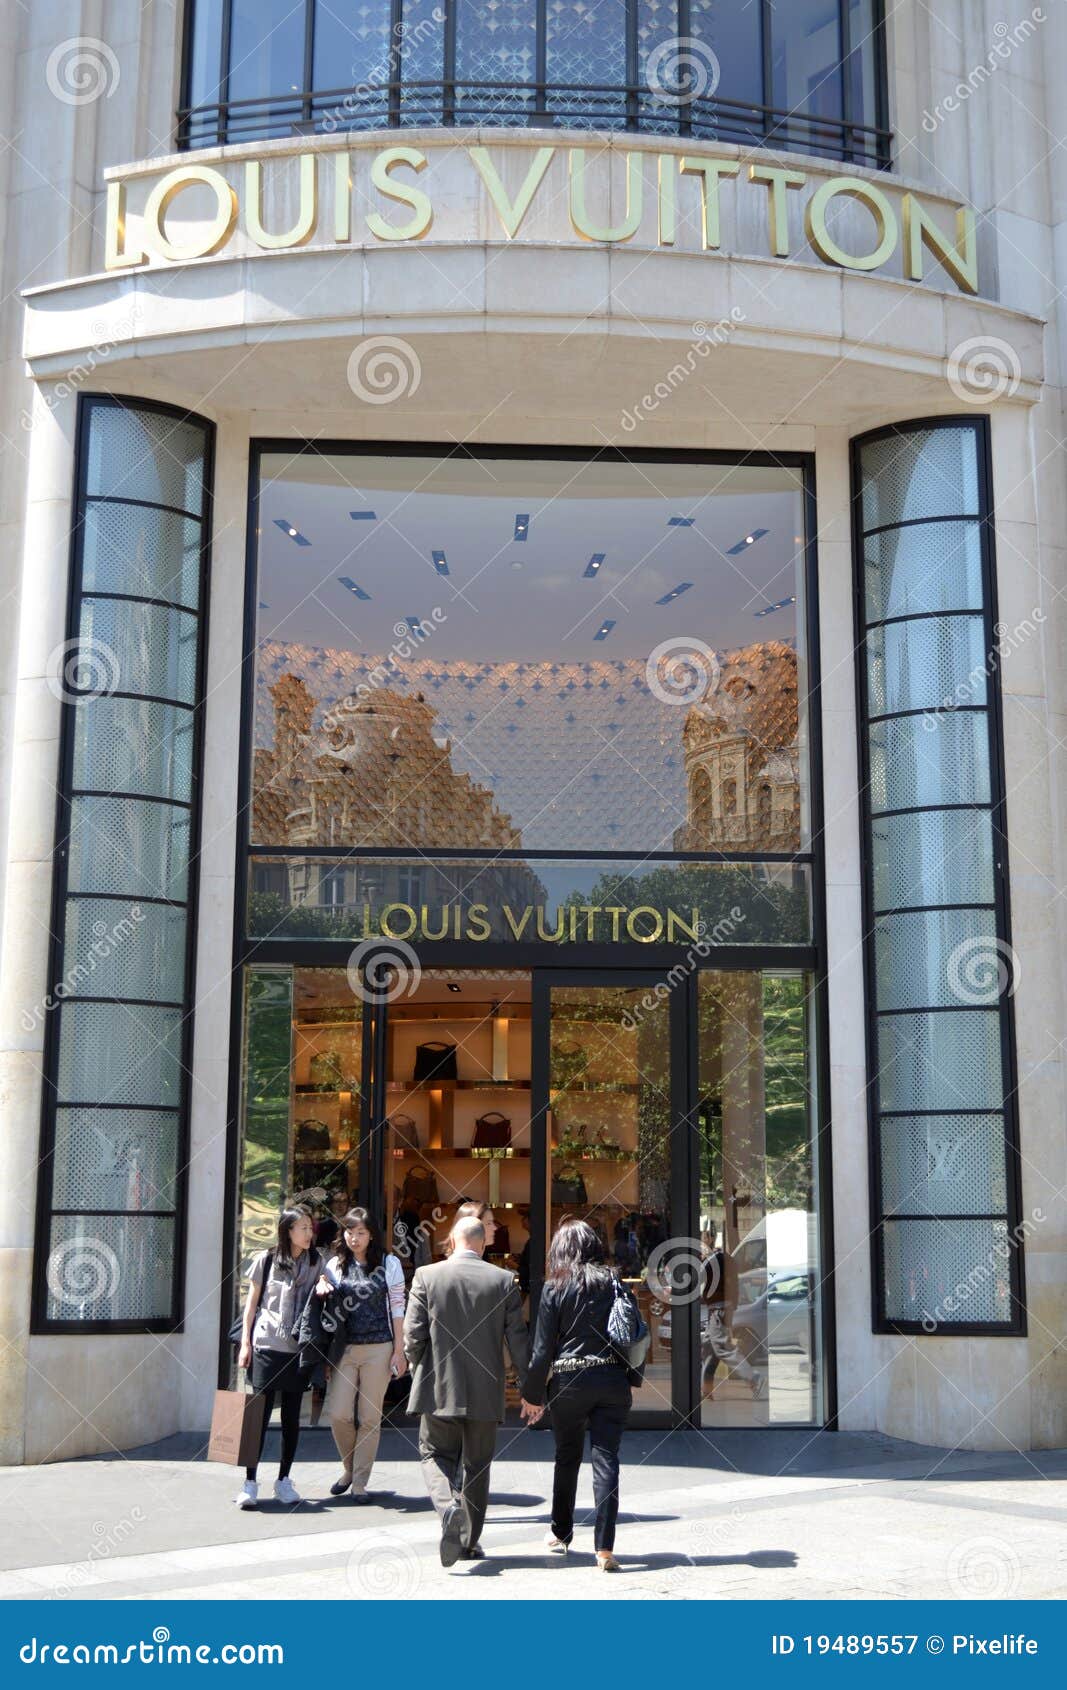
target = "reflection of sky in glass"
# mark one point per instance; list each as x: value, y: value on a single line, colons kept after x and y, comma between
x: 535, y: 666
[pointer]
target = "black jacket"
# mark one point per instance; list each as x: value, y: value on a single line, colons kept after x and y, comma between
x: 570, y: 1322
x: 321, y: 1334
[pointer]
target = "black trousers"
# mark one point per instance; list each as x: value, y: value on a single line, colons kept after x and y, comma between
x: 596, y: 1400
x: 275, y: 1374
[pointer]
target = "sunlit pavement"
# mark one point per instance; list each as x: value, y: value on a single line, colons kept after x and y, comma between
x: 768, y: 1514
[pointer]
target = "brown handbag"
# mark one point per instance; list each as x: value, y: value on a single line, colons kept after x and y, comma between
x: 492, y: 1131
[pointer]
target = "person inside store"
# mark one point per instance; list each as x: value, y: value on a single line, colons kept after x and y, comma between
x: 482, y: 1212
x: 366, y: 1284
x: 590, y: 1386
x: 464, y: 1317
x: 280, y: 1282
x: 718, y: 1296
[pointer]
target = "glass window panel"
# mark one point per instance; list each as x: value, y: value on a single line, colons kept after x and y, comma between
x: 910, y: 571
x: 143, y: 648
x: 931, y: 760
x: 947, y: 1060
x: 353, y: 52
x: 947, y: 1271
x: 425, y: 679
x: 110, y: 1267
x: 555, y: 902
x: 120, y: 949
x: 862, y: 72
x: 610, y: 1133
x: 924, y: 473
x: 932, y: 857
x: 115, y: 1159
x: 152, y: 554
x: 758, y: 1331
x: 660, y: 62
x: 130, y: 846
x: 937, y: 958
x: 266, y: 1096
x: 267, y: 49
x: 146, y: 455
x: 943, y: 1164
x: 124, y: 745
x: 929, y: 664
x: 422, y: 59
x: 728, y: 41
x: 205, y: 53
x: 496, y: 57
x: 119, y: 1053
x: 806, y: 70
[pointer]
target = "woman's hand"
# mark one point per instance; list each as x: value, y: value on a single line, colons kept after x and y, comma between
x: 400, y: 1364
x: 323, y: 1288
x: 531, y: 1411
x: 244, y: 1355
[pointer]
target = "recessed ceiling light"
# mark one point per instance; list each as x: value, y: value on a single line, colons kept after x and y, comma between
x: 452, y: 986
x: 522, y: 525
x: 594, y: 564
x: 604, y: 630
x: 749, y: 540
x: 353, y: 587
x: 769, y: 609
x: 363, y: 516
x: 515, y: 564
x: 680, y: 521
x: 415, y: 624
x: 292, y: 533
x: 675, y: 592
x: 440, y: 563
x: 263, y: 605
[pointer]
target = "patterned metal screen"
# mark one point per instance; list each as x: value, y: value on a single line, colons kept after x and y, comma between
x: 940, y: 968
x: 119, y: 1010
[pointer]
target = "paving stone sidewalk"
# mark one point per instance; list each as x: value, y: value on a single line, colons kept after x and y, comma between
x: 775, y: 1514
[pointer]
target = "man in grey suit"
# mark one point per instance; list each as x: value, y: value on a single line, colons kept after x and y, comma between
x: 460, y: 1314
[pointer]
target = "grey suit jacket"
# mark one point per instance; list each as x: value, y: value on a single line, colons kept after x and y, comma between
x: 460, y: 1315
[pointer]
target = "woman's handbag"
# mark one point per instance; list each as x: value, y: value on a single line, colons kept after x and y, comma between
x: 405, y: 1133
x: 492, y: 1131
x: 435, y: 1060
x: 568, y: 1187
x: 312, y: 1138
x: 420, y: 1186
x: 628, y: 1333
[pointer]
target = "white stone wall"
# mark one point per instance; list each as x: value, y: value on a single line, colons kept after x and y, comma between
x: 544, y: 343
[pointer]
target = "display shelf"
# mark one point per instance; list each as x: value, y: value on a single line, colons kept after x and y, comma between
x: 577, y: 1086
x: 446, y: 1153
x: 457, y: 1085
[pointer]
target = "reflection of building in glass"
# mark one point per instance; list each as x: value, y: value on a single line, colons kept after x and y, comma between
x: 742, y: 756
x: 372, y: 771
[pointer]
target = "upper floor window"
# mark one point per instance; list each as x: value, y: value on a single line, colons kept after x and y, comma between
x: 807, y: 76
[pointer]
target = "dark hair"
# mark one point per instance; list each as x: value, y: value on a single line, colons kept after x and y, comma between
x: 576, y: 1256
x: 375, y: 1250
x: 283, y: 1249
x: 468, y: 1206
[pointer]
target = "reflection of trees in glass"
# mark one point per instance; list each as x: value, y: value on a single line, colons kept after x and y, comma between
x: 265, y: 1152
x: 772, y: 900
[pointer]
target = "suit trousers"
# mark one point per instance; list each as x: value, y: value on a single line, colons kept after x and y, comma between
x: 356, y: 1392
x: 596, y: 1400
x: 456, y: 1456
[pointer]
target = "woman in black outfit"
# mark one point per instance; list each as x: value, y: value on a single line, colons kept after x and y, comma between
x: 589, y: 1390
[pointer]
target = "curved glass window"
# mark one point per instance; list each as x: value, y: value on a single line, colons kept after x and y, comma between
x: 809, y: 76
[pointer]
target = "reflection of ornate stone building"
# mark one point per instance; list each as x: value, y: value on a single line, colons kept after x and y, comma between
x: 373, y: 772
x: 742, y: 756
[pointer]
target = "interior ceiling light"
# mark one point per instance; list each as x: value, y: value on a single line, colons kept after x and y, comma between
x: 749, y: 540
x: 769, y: 609
x: 353, y: 587
x: 263, y: 605
x: 675, y: 592
x: 593, y: 565
x: 522, y: 525
x: 415, y: 624
x: 452, y: 986
x: 294, y: 533
x: 604, y: 630
x: 440, y: 562
x: 680, y: 521
x: 363, y: 516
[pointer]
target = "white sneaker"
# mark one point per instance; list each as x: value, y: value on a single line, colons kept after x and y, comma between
x: 249, y: 1495
x: 555, y: 1545
x: 286, y: 1491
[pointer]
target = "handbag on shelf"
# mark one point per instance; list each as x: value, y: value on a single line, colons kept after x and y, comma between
x: 405, y: 1133
x: 420, y: 1186
x: 568, y: 1187
x: 492, y: 1131
x: 435, y: 1060
x: 312, y: 1138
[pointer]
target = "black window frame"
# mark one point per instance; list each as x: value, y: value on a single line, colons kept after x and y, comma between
x: 841, y: 139
x: 1012, y: 1216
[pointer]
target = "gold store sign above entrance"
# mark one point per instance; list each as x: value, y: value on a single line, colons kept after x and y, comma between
x: 402, y: 179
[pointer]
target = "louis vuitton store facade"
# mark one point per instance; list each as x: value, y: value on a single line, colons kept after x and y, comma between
x: 530, y: 633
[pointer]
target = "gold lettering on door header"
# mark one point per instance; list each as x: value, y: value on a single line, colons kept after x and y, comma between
x: 565, y: 924
x: 902, y: 223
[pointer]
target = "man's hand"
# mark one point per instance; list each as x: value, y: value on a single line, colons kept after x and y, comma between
x: 531, y: 1411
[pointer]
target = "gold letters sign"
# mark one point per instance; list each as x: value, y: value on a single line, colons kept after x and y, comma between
x: 396, y: 189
